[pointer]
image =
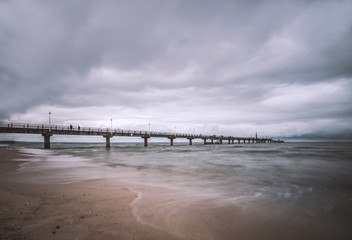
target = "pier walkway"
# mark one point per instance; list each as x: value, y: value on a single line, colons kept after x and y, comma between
x: 49, y: 130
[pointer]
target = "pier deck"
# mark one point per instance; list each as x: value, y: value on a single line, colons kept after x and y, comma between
x: 47, y: 131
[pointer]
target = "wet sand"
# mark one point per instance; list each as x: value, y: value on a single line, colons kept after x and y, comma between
x: 81, y: 210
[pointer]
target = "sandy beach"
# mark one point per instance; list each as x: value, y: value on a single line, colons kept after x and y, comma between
x: 80, y: 210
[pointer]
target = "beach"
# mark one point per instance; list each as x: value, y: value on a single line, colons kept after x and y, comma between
x: 206, y: 192
x: 80, y: 210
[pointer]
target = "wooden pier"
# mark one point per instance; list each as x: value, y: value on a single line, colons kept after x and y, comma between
x: 49, y: 130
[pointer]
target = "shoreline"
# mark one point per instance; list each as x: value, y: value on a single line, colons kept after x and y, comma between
x: 10, y: 159
x: 78, y: 210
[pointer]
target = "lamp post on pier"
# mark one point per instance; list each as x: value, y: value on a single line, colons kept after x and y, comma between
x: 49, y: 121
x: 111, y: 125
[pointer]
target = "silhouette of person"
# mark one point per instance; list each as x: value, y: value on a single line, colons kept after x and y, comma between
x: 71, y: 127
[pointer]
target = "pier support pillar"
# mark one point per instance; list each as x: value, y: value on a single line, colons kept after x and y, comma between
x: 212, y: 141
x: 145, y: 141
x: 233, y: 141
x: 220, y: 141
x: 205, y: 141
x: 107, y: 140
x: 190, y: 140
x: 47, y: 140
x: 229, y: 141
x: 239, y: 141
x: 171, y: 140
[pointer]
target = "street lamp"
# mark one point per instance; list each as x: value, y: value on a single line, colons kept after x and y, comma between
x: 111, y: 125
x: 49, y: 121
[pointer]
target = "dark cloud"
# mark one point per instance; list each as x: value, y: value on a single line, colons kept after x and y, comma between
x: 238, y: 61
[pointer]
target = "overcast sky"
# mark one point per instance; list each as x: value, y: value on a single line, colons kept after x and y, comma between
x: 281, y: 68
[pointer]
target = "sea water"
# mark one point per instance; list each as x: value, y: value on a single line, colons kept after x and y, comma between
x: 223, y: 191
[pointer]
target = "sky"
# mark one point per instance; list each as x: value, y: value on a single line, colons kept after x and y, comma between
x: 279, y: 68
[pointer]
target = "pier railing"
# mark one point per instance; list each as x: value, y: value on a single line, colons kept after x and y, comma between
x: 95, y: 129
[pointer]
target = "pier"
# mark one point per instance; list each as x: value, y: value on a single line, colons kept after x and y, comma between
x: 48, y: 131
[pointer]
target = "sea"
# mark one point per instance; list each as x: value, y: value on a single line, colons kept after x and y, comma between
x: 295, y: 190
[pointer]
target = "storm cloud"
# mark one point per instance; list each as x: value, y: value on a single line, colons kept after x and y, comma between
x: 282, y: 68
